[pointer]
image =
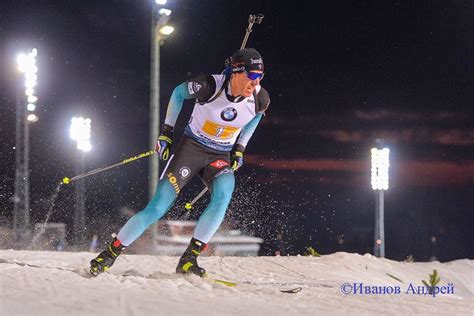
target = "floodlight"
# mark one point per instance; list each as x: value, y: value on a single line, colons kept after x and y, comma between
x: 31, y: 107
x: 379, y: 168
x: 166, y: 30
x: 32, y: 118
x: 165, y: 11
x: 80, y: 131
x: 32, y: 99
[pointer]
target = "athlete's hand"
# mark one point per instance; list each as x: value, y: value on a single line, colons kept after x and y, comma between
x: 237, y: 157
x: 164, y: 142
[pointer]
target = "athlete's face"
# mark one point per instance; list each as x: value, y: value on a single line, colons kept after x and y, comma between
x: 243, y: 84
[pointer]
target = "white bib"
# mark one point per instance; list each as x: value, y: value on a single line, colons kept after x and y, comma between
x: 218, y: 124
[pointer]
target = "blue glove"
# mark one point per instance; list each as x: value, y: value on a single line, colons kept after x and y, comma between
x: 237, y: 157
x: 164, y: 142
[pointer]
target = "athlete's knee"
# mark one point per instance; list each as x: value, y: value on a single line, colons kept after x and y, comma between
x: 164, y: 197
x: 223, y: 187
x: 221, y: 195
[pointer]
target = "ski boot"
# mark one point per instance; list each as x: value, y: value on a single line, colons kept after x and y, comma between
x: 106, y: 258
x: 188, y: 261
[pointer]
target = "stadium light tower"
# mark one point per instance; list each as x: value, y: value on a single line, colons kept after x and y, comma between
x: 80, y: 132
x: 160, y: 30
x: 379, y: 181
x: 25, y: 107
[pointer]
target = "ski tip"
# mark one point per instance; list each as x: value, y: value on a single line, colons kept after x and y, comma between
x: 292, y: 291
x: 225, y: 282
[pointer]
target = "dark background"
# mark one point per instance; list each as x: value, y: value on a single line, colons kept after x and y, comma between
x: 340, y: 74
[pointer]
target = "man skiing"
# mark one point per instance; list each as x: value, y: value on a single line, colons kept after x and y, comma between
x: 227, y: 110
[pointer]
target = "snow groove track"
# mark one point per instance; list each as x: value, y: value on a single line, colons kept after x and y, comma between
x: 57, y: 283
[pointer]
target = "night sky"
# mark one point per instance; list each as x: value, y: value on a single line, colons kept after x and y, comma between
x: 340, y: 74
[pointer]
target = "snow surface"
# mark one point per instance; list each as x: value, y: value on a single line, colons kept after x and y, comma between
x: 57, y: 283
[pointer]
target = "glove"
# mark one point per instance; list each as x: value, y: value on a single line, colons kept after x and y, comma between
x: 164, y: 142
x: 237, y: 157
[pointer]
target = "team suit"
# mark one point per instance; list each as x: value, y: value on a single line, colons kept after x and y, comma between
x: 219, y: 128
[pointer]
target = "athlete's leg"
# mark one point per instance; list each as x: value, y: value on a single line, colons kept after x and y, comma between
x: 158, y: 206
x: 221, y: 193
x: 211, y: 219
x: 161, y: 202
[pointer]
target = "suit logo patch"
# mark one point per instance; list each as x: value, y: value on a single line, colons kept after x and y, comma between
x: 174, y: 182
x: 194, y: 87
x: 184, y: 172
x: 219, y: 163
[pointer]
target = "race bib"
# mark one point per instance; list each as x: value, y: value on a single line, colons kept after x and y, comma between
x: 220, y: 131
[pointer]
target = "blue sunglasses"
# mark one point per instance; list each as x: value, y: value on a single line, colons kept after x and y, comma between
x: 255, y: 75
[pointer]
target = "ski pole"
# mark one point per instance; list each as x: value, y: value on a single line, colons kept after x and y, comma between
x: 189, y: 206
x: 67, y: 180
x: 252, y: 20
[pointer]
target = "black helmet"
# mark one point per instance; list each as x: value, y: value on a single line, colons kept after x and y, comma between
x: 246, y: 59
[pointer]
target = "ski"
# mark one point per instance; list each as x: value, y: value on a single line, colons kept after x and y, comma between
x: 292, y: 291
x: 224, y: 282
x: 219, y: 281
x: 94, y: 272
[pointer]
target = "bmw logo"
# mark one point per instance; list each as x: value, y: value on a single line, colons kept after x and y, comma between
x: 229, y: 114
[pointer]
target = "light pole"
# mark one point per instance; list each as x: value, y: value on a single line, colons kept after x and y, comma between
x: 159, y: 32
x: 379, y: 181
x: 81, y: 133
x: 24, y: 116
